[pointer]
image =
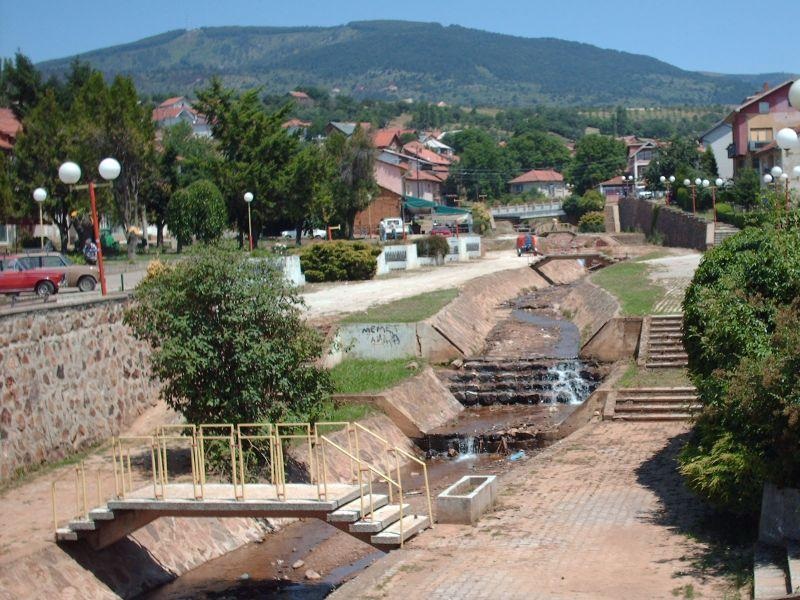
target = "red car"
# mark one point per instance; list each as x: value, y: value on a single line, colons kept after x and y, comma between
x: 441, y: 230
x: 14, y: 279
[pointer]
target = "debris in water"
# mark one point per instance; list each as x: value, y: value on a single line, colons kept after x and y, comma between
x: 311, y: 574
x: 244, y: 576
x: 517, y: 455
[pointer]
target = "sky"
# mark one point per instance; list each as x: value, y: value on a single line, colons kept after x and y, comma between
x: 726, y: 36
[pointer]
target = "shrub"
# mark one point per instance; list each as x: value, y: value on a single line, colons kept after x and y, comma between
x: 481, y: 219
x: 229, y: 340
x: 742, y: 335
x: 197, y: 210
x: 742, y: 219
x: 340, y: 261
x: 577, y: 206
x: 592, y: 222
x: 432, y: 245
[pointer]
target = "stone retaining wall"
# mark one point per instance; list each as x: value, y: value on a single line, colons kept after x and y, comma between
x: 676, y: 227
x: 71, y: 376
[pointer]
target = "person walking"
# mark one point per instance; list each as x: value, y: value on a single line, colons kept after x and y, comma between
x: 90, y: 252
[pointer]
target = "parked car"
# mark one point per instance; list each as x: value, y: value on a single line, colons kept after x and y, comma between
x: 441, y: 230
x: 84, y: 277
x: 317, y: 234
x: 15, y: 278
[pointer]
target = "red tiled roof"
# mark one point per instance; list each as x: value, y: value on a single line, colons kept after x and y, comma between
x: 614, y: 181
x: 536, y: 176
x: 299, y: 95
x: 420, y: 151
x: 171, y: 101
x: 10, y: 126
x: 383, y: 138
x: 296, y: 123
x: 169, y: 112
x: 413, y: 175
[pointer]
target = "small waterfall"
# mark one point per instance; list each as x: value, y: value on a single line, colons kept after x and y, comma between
x: 466, y: 447
x: 568, y: 386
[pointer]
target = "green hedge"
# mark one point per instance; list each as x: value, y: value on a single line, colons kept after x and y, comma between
x: 742, y: 335
x: 339, y: 261
x: 432, y: 245
x: 741, y: 219
x: 592, y: 222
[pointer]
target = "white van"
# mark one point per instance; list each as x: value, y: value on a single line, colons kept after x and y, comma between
x: 391, y: 228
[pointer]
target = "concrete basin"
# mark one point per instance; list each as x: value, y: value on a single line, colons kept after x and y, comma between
x: 467, y: 499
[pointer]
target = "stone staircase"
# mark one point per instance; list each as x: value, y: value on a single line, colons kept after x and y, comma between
x: 487, y: 381
x: 653, y: 404
x: 723, y: 231
x: 662, y: 341
x: 776, y: 572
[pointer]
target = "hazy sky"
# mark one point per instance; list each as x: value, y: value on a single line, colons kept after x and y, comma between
x: 729, y: 36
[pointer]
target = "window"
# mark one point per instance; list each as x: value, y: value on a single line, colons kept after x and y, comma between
x: 761, y: 134
x: 29, y: 262
x: 763, y: 108
x: 4, y: 234
x: 52, y: 261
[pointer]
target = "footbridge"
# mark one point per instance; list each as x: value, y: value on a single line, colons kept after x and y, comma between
x: 529, y: 211
x: 167, y: 474
x: 590, y: 260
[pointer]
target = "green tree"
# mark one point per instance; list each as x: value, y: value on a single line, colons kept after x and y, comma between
x: 577, y: 206
x: 597, y: 158
x: 679, y: 158
x: 197, y: 210
x: 708, y: 164
x: 229, y: 339
x: 747, y: 187
x: 255, y: 152
x: 307, y: 186
x: 484, y: 167
x: 22, y: 84
x: 354, y: 184
x: 537, y: 150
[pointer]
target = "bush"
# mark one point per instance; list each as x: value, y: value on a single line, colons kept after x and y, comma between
x: 481, y: 219
x: 742, y: 219
x: 340, y: 261
x: 592, y: 222
x: 577, y: 206
x: 229, y: 340
x: 197, y: 210
x: 433, y: 246
x: 742, y: 335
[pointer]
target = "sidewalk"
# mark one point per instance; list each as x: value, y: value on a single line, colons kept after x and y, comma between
x: 601, y: 514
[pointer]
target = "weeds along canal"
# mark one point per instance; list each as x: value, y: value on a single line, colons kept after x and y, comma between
x: 516, y: 395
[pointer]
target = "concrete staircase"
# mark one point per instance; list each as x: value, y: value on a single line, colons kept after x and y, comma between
x: 723, y: 231
x: 776, y: 572
x: 654, y: 404
x: 662, y: 340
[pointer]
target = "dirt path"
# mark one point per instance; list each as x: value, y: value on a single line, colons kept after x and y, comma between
x: 602, y: 514
x: 352, y: 297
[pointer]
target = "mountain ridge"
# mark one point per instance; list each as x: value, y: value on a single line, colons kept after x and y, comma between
x: 399, y: 59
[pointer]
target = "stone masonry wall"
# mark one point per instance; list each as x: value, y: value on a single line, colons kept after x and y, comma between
x: 70, y: 376
x: 676, y: 227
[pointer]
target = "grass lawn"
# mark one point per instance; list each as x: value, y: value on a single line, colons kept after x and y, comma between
x: 637, y: 377
x: 407, y: 310
x: 629, y: 283
x: 346, y: 412
x: 356, y: 376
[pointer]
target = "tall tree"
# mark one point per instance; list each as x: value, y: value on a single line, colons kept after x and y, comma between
x: 255, y: 149
x: 537, y: 150
x: 22, y: 84
x: 679, y: 158
x: 597, y: 158
x: 354, y: 185
x: 307, y: 186
x: 484, y: 167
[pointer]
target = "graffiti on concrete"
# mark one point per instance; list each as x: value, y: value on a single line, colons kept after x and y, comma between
x: 381, y: 335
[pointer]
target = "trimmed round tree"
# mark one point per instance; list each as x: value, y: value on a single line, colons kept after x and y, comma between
x: 198, y: 211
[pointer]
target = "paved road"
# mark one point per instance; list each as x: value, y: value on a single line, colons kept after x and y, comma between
x: 353, y: 297
x: 603, y: 514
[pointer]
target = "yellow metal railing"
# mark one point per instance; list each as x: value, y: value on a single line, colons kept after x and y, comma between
x: 383, y: 466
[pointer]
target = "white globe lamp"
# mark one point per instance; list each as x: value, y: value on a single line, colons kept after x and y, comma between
x: 662, y: 179
x: 776, y: 171
x: 698, y: 181
x: 767, y: 178
x: 786, y: 138
x: 69, y: 173
x: 40, y: 195
x: 687, y: 183
x: 248, y: 197
x: 794, y: 94
x: 109, y: 169
x: 672, y: 178
x: 796, y: 171
x: 706, y: 183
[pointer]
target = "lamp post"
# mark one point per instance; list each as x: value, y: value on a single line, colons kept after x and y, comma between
x: 40, y: 195
x: 697, y: 183
x: 667, y: 181
x: 717, y: 183
x: 109, y: 169
x: 787, y: 140
x: 632, y: 183
x: 248, y: 198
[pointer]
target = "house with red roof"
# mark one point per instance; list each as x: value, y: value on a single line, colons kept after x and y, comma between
x: 389, y: 172
x: 547, y: 181
x: 301, y: 98
x: 297, y: 126
x: 755, y: 124
x: 387, y: 138
x: 10, y: 127
x: 178, y: 109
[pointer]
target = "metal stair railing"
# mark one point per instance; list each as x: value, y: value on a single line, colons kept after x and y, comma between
x: 167, y: 433
x: 202, y: 437
x: 269, y: 436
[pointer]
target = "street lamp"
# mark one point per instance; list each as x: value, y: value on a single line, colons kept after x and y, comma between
x: 248, y: 198
x: 40, y: 195
x: 697, y: 183
x: 109, y: 169
x: 717, y: 183
x: 667, y: 181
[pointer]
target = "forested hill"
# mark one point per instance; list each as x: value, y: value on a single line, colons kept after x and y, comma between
x: 399, y: 59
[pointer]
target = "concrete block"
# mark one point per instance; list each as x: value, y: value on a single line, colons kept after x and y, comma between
x: 467, y: 499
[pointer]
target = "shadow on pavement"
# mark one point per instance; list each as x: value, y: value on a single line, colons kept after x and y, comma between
x: 726, y: 540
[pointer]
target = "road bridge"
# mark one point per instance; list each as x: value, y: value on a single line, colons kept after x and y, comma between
x: 529, y: 211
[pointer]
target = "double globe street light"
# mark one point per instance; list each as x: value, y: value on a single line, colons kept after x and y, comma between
x: 667, y: 181
x: 109, y: 169
x: 697, y: 183
x: 718, y: 182
x: 248, y: 198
